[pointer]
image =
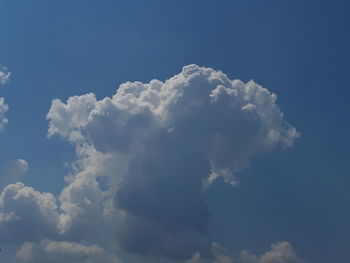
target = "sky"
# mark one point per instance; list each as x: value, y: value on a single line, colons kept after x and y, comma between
x: 174, y: 131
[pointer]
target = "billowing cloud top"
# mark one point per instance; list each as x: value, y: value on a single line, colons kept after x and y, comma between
x: 200, y: 109
x: 145, y: 158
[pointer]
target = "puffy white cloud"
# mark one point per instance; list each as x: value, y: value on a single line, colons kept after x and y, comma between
x: 3, y: 109
x: 145, y: 154
x: 66, y: 119
x: 61, y: 251
x: 229, y: 120
x: 12, y: 171
x: 144, y: 157
x: 280, y: 252
x: 26, y: 214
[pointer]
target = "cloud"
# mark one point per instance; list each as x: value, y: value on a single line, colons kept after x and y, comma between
x: 12, y: 171
x: 4, y: 75
x: 26, y: 214
x: 3, y: 109
x: 53, y: 251
x: 231, y: 120
x: 146, y: 158
x: 155, y: 146
x: 4, y: 78
x: 280, y: 252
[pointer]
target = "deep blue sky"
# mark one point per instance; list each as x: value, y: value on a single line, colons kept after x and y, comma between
x: 297, y: 49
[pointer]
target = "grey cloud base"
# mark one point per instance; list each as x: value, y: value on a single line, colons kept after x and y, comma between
x: 145, y: 159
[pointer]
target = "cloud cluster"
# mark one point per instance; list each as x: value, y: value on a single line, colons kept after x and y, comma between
x: 145, y: 159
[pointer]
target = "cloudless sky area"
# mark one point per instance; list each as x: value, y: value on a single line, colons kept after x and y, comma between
x: 296, y: 49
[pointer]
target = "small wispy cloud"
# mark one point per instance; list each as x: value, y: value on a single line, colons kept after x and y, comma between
x: 3, y: 109
x: 4, y: 75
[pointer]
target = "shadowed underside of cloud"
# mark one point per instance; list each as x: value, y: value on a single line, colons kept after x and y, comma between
x: 145, y: 159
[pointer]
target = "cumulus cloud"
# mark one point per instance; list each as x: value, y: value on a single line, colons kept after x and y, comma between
x: 26, y: 214
x: 146, y: 158
x: 280, y: 252
x: 229, y: 120
x: 163, y: 142
x: 12, y: 171
x: 61, y: 251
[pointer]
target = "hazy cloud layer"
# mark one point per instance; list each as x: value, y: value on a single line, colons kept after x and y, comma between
x: 145, y: 159
x: 53, y: 251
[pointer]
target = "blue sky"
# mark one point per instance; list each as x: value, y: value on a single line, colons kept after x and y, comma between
x: 296, y: 49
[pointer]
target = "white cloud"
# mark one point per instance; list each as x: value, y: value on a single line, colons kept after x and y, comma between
x: 232, y: 120
x: 143, y: 157
x: 26, y: 214
x: 67, y: 119
x: 4, y: 75
x: 3, y: 109
x: 53, y: 251
x: 150, y: 142
x: 280, y: 252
